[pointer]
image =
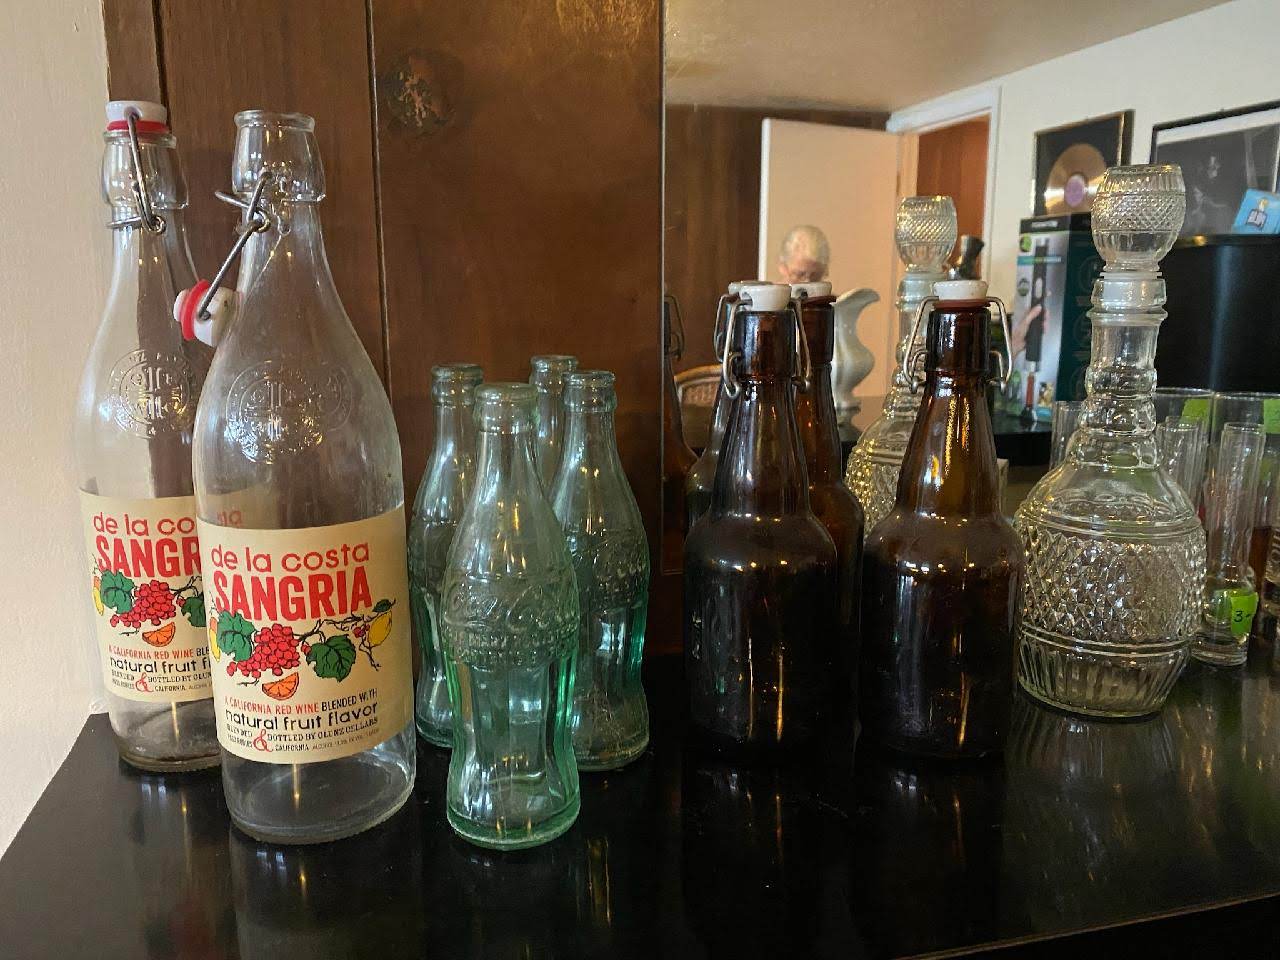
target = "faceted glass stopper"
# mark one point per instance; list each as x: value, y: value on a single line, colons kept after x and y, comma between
x: 925, y: 232
x: 1137, y: 214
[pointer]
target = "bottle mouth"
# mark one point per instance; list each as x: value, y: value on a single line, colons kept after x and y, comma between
x: 589, y: 389
x: 505, y: 407
x: 455, y: 382
x: 267, y: 118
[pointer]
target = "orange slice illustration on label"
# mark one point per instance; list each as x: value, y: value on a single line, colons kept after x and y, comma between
x: 282, y: 689
x: 161, y: 636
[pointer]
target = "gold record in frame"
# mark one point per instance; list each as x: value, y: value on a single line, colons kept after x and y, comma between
x: 1073, y: 179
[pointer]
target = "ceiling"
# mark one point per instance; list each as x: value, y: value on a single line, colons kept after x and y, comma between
x: 878, y: 54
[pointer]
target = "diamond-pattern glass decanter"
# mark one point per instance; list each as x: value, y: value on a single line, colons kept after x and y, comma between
x: 1115, y: 553
x: 925, y: 233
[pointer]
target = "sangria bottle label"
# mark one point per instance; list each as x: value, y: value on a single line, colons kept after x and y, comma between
x: 149, y: 608
x: 309, y: 634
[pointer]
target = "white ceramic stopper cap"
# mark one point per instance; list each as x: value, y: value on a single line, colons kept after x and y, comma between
x: 736, y: 286
x: 960, y: 289
x: 118, y: 111
x: 222, y: 307
x: 762, y: 295
x: 813, y: 288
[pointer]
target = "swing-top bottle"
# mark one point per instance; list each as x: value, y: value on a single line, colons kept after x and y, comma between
x: 300, y: 498
x: 925, y: 233
x: 1115, y: 552
x: 133, y: 424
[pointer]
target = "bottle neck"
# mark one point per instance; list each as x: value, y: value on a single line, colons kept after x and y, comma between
x: 291, y: 251
x: 589, y: 440
x: 761, y: 469
x: 815, y: 406
x: 504, y: 468
x: 1117, y: 426
x: 146, y: 263
x: 455, y: 440
x: 950, y: 463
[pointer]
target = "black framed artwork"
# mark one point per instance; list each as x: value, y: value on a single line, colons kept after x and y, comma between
x: 1071, y: 159
x: 1222, y: 155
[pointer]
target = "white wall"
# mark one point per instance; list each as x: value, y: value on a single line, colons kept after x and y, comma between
x: 1208, y: 61
x: 54, y: 258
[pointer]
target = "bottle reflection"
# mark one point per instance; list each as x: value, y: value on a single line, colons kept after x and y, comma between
x: 359, y: 897
x: 758, y: 857
x: 927, y: 851
x: 177, y: 839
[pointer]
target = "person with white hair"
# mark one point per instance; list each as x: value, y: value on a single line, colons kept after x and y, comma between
x: 805, y: 255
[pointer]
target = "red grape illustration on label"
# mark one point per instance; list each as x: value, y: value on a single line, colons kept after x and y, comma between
x: 133, y: 605
x: 270, y: 656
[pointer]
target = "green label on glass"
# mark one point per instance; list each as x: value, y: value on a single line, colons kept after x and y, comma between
x: 1271, y: 415
x: 1197, y: 408
x: 1238, y: 606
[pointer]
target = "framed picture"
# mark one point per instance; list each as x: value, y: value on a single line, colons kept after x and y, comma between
x: 1071, y: 159
x: 1222, y: 155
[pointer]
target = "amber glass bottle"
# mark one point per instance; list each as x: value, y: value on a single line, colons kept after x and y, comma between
x: 760, y: 571
x: 943, y: 572
x: 831, y: 501
x: 697, y: 488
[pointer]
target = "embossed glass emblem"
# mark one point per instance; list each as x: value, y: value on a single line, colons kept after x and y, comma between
x: 274, y: 410
x: 152, y: 393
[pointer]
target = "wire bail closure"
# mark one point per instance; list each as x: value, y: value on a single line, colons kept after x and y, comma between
x: 147, y: 216
x: 675, y: 349
x: 732, y: 386
x: 254, y: 220
x: 913, y: 363
x: 804, y: 362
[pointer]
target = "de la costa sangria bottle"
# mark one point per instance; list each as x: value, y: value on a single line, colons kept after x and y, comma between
x: 302, y: 534
x: 944, y: 570
x: 136, y: 410
x: 605, y: 534
x: 761, y: 572
x: 509, y: 629
x: 437, y: 509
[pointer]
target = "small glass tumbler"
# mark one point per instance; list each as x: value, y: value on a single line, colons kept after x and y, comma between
x: 1230, y: 596
x: 1066, y: 415
x: 1188, y: 403
x: 1264, y: 409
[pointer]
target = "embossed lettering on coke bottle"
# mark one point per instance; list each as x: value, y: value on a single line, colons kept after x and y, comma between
x: 132, y: 431
x: 509, y: 627
x: 605, y: 533
x: 437, y: 509
x: 301, y: 506
x: 760, y: 571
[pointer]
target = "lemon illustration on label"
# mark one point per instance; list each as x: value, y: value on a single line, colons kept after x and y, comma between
x: 213, y: 639
x: 97, y: 596
x: 379, y: 629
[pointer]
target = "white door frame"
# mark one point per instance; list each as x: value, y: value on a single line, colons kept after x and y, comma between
x: 947, y: 111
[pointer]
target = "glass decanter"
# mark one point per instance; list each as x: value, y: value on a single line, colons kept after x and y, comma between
x: 605, y: 533
x: 1115, y: 552
x: 300, y: 501
x: 437, y: 509
x: 925, y: 233
x: 509, y: 629
x: 548, y: 440
x: 132, y: 431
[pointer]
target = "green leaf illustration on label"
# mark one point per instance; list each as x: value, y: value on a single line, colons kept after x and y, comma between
x: 235, y: 635
x: 193, y: 610
x: 382, y: 606
x: 117, y: 591
x: 334, y: 658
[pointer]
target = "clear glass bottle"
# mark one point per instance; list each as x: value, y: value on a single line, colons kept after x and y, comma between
x: 925, y: 233
x: 548, y: 442
x: 1115, y: 551
x: 702, y: 476
x: 438, y: 507
x: 133, y: 422
x: 300, y: 498
x: 1230, y: 594
x: 943, y: 571
x: 509, y: 628
x: 761, y: 634
x: 605, y: 534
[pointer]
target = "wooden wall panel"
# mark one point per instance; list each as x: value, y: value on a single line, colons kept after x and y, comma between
x: 308, y: 56
x: 520, y: 158
x: 712, y: 205
x: 953, y: 161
